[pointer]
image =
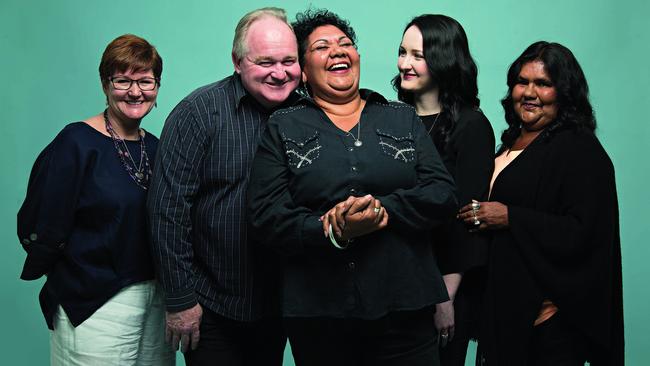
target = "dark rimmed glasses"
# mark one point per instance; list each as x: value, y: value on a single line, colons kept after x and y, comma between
x: 124, y: 83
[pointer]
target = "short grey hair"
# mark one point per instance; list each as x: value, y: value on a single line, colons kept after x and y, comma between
x: 239, y: 46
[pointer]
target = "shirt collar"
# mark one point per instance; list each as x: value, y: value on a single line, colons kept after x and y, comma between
x: 240, y: 92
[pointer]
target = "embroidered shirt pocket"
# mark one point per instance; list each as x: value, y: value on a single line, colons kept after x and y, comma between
x: 301, y: 152
x: 401, y: 148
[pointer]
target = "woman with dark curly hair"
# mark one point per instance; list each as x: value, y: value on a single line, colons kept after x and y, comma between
x: 554, y: 294
x: 437, y: 75
x: 347, y: 186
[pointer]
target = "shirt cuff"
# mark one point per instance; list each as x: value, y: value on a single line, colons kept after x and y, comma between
x: 180, y: 300
x: 312, y: 234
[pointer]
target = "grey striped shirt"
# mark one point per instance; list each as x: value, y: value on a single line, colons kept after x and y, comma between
x: 197, y: 205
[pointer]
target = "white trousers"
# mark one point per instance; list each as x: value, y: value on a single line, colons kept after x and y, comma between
x: 128, y: 330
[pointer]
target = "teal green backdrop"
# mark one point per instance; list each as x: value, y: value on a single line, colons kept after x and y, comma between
x: 51, y: 50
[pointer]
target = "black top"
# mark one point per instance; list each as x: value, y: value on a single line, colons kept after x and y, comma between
x: 468, y: 155
x: 197, y: 203
x: 562, y: 244
x: 83, y: 222
x: 305, y: 165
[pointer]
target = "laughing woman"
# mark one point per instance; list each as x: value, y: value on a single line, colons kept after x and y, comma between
x: 360, y: 286
x: 83, y: 223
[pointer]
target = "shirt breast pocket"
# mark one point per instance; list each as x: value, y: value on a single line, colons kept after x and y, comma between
x: 301, y: 151
x: 398, y: 147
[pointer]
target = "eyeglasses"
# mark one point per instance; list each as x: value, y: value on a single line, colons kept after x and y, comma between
x: 123, y: 83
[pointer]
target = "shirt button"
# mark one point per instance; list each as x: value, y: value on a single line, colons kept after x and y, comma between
x: 354, y: 168
x: 350, y: 149
x: 353, y: 191
x: 33, y: 237
x: 352, y: 266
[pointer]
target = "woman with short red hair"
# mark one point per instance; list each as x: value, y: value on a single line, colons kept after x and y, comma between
x: 83, y: 223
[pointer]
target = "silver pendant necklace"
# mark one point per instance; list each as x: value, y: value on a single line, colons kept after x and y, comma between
x: 357, y: 139
x: 434, y: 123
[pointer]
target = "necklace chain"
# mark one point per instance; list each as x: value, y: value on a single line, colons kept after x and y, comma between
x: 141, y: 172
x: 357, y: 139
x: 434, y: 123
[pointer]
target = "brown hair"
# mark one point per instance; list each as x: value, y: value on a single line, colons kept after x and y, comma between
x: 129, y: 52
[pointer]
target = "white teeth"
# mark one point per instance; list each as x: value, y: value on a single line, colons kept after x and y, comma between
x: 338, y: 66
x: 134, y: 102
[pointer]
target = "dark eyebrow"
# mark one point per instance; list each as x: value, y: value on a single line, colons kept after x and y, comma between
x: 324, y: 40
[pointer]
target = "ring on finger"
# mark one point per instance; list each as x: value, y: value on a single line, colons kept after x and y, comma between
x: 377, y: 209
x: 476, y: 205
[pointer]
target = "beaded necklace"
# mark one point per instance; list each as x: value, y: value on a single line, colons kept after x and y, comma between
x: 140, y: 173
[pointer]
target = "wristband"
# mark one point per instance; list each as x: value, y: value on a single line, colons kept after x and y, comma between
x: 334, y: 242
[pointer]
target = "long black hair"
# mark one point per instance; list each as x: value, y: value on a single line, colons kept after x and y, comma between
x: 572, y: 92
x: 451, y: 66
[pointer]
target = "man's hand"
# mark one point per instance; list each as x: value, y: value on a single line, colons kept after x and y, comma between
x: 183, y: 327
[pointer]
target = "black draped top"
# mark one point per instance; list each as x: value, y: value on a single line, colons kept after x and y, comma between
x: 83, y: 222
x: 562, y: 244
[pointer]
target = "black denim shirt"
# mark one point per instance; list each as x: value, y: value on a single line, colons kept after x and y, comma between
x: 305, y: 165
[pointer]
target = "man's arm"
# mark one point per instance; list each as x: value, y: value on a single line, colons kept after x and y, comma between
x: 173, y: 188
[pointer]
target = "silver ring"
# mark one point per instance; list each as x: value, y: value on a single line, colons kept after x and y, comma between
x: 477, y: 222
x: 377, y: 209
x: 476, y: 205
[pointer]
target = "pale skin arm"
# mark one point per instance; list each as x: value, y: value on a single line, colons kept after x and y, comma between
x: 444, y: 316
x: 183, y: 327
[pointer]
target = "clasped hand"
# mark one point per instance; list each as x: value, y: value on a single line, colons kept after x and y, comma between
x: 356, y: 216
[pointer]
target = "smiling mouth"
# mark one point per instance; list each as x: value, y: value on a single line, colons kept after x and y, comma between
x: 134, y: 102
x: 530, y: 105
x: 342, y: 66
x: 278, y: 84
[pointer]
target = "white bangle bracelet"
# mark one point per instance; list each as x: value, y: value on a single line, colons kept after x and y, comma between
x: 334, y: 242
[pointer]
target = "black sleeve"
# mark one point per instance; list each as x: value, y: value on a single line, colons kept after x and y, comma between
x: 432, y: 200
x: 573, y: 251
x: 174, y: 185
x: 472, y: 145
x: 46, y: 218
x: 275, y: 219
